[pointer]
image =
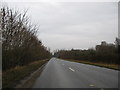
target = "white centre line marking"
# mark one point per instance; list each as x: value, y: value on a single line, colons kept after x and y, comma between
x: 91, y: 85
x: 71, y: 69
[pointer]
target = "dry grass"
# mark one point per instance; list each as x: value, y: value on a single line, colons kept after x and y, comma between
x: 11, y: 77
x: 111, y: 66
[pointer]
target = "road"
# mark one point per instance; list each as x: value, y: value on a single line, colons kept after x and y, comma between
x: 66, y: 74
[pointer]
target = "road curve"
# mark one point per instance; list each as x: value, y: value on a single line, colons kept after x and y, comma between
x: 65, y: 74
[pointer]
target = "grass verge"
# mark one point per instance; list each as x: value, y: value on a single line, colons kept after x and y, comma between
x: 110, y: 66
x: 12, y: 77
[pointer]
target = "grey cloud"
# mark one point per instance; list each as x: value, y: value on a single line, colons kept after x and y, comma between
x: 73, y: 24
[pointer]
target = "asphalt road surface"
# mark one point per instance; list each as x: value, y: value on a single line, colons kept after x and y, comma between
x: 65, y: 74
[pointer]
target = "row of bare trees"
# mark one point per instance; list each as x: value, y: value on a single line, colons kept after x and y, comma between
x: 20, y: 44
x: 104, y: 53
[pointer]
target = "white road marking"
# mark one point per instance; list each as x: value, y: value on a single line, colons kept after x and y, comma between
x: 91, y: 85
x: 71, y: 69
x: 62, y: 64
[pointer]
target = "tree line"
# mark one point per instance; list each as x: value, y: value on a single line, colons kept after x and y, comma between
x: 20, y: 44
x: 104, y: 53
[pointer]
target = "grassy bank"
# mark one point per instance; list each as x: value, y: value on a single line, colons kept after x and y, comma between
x: 12, y: 77
x: 110, y: 66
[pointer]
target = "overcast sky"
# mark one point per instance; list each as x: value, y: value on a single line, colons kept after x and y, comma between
x: 66, y: 25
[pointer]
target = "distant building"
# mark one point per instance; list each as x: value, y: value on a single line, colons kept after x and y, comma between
x: 112, y: 45
x: 97, y: 47
x: 103, y: 43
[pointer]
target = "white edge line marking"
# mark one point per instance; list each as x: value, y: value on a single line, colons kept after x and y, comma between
x: 71, y: 69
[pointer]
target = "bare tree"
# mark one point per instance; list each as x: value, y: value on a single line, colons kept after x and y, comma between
x: 20, y: 43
